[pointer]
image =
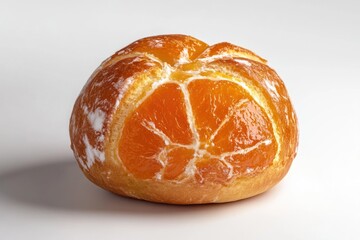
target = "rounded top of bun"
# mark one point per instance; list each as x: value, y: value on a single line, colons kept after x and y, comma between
x: 118, y: 86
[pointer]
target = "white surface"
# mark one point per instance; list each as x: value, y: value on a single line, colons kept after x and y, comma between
x: 48, y: 50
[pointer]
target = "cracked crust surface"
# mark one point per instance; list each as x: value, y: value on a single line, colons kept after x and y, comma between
x: 127, y: 81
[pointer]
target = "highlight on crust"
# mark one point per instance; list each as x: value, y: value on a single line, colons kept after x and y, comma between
x: 171, y: 119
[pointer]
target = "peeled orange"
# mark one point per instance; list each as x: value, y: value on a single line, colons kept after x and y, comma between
x: 171, y: 119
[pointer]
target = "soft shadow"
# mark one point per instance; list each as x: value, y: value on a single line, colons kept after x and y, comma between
x: 61, y: 186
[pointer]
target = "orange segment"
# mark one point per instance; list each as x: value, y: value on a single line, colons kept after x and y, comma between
x: 165, y: 112
x: 252, y: 161
x: 211, y: 102
x: 139, y: 149
x: 177, y: 159
x: 212, y: 170
x: 247, y: 126
x: 159, y: 121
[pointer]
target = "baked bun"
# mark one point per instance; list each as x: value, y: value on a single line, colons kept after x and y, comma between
x: 171, y: 119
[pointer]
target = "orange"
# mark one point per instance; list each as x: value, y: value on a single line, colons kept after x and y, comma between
x: 172, y: 119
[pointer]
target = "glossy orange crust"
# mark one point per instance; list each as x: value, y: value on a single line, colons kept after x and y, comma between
x: 104, y: 122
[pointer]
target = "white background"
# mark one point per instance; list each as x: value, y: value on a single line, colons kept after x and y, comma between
x: 48, y: 49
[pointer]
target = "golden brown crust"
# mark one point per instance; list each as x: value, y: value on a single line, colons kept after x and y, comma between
x: 124, y: 79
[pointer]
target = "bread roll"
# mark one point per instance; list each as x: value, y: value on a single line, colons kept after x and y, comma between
x: 171, y: 119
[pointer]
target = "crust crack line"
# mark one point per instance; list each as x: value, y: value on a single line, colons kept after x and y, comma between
x: 167, y: 141
x: 190, y: 168
x: 161, y: 157
x: 227, y: 118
